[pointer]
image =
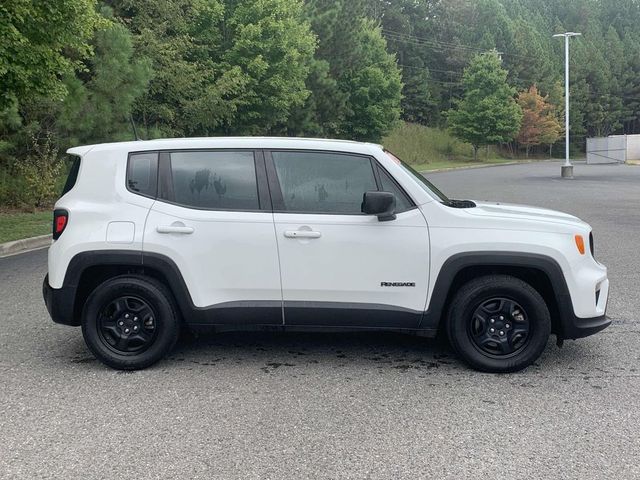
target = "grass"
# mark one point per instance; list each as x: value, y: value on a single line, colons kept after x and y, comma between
x: 444, y: 164
x: 427, y: 148
x: 18, y: 225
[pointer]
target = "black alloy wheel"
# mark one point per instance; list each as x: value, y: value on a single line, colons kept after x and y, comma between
x: 130, y: 322
x: 499, y: 326
x: 127, y: 325
x: 498, y: 323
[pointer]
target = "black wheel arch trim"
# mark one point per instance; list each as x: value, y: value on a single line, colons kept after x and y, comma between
x: 61, y: 302
x: 570, y: 325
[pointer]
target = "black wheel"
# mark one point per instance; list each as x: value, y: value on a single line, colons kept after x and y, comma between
x: 498, y: 323
x: 130, y: 322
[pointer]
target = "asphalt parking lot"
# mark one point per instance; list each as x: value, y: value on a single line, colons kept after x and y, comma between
x: 295, y: 406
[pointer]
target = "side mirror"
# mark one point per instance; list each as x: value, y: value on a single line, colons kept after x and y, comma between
x: 382, y: 204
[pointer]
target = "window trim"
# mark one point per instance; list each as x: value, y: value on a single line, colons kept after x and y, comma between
x: 154, y: 178
x: 268, y: 185
x: 276, y: 191
x: 165, y: 180
x: 412, y: 204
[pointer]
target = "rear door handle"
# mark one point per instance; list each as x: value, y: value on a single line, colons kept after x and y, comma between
x: 301, y: 234
x: 175, y: 229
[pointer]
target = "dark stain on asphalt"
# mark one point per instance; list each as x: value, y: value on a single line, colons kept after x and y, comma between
x: 207, y: 364
x: 417, y: 364
x: 83, y: 360
x: 271, y: 366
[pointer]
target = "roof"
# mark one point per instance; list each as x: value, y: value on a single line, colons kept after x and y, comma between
x: 226, y: 142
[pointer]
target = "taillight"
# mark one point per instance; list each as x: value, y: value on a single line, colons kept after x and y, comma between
x: 60, y: 220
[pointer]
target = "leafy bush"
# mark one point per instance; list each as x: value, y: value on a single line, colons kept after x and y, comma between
x: 13, y: 188
x: 41, y: 170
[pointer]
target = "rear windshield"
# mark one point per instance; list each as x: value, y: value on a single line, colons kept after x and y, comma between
x: 73, y: 175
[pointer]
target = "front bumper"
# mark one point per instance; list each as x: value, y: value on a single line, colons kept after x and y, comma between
x: 59, y: 302
x: 583, y: 327
x: 578, y: 327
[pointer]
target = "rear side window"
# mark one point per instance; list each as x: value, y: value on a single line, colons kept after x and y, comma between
x: 142, y: 173
x: 72, y: 177
x: 224, y: 180
x: 319, y: 182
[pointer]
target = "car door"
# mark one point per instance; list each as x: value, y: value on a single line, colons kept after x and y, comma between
x: 213, y: 219
x: 339, y: 266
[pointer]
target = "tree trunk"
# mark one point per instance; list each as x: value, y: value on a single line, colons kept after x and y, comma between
x: 526, y: 149
x: 475, y: 153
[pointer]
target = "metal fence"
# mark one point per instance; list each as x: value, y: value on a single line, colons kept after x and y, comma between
x: 613, y: 149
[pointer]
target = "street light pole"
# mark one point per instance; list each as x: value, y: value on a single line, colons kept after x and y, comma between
x: 567, y: 168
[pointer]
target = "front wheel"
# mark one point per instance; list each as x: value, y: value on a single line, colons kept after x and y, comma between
x: 498, y: 323
x: 130, y: 322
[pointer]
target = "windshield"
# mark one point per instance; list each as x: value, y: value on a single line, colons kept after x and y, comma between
x: 427, y: 186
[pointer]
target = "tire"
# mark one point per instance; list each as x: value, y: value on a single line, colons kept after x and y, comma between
x: 130, y: 322
x: 515, y: 311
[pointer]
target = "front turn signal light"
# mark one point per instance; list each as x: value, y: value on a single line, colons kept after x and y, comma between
x: 580, y: 243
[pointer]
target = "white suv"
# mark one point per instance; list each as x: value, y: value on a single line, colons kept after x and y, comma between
x: 303, y: 234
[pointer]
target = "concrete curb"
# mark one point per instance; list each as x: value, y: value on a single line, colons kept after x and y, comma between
x: 24, y: 245
x: 471, y: 167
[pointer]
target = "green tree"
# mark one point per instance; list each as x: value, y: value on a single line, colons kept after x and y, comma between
x: 221, y: 66
x: 358, y: 95
x: 487, y: 113
x: 187, y: 94
x: 320, y: 115
x: 405, y: 29
x: 41, y: 42
x: 530, y: 61
x: 337, y: 37
x: 116, y: 78
x: 373, y: 86
x: 272, y: 46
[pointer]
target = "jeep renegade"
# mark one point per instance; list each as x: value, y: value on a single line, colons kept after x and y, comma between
x: 307, y: 235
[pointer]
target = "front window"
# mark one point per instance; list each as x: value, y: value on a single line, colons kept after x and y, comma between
x: 426, y: 185
x: 323, y: 182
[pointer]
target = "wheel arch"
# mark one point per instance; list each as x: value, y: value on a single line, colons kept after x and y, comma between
x: 87, y: 270
x: 541, y: 272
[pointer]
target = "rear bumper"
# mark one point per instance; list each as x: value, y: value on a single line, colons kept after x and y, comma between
x: 59, y: 302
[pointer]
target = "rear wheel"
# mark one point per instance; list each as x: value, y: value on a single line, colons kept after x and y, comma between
x: 130, y: 322
x: 498, y: 323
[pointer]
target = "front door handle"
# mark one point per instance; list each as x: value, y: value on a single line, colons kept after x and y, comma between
x: 175, y: 229
x: 302, y: 234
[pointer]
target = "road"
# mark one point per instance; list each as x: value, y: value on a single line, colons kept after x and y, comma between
x: 294, y: 406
